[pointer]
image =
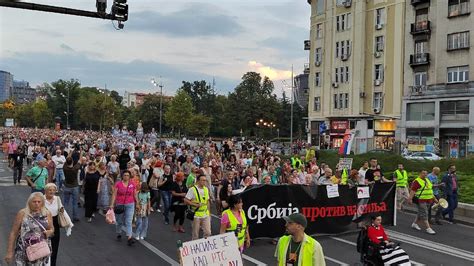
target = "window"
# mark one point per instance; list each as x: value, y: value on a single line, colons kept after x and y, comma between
x: 458, y: 8
x: 318, y: 56
x: 319, y: 30
x: 458, y: 74
x: 317, y: 104
x: 336, y: 76
x: 458, y: 40
x: 348, y: 47
x: 454, y: 111
x: 342, y: 74
x: 341, y: 100
x: 420, y: 111
x: 378, y: 73
x: 337, y: 49
x: 317, y: 80
x: 347, y: 74
x: 378, y: 100
x: 320, y: 7
x: 346, y: 100
x: 379, y: 16
x: 343, y: 22
x: 421, y: 47
x: 336, y: 101
x: 420, y: 79
x: 379, y: 43
x: 421, y: 19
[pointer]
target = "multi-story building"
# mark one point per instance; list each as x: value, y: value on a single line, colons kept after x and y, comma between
x: 134, y: 99
x: 22, y: 92
x: 302, y: 89
x: 356, y: 72
x: 6, y: 85
x: 438, y: 105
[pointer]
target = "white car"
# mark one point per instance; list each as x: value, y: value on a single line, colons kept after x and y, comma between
x: 423, y: 156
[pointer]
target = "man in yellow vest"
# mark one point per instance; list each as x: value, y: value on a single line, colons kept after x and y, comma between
x: 296, y: 162
x: 298, y: 248
x: 401, y: 177
x: 422, y: 191
x: 234, y: 220
x: 198, y: 198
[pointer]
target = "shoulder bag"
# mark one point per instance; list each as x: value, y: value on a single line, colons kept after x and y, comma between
x: 63, y: 222
x: 189, y: 211
x: 416, y: 199
x: 39, y: 250
x: 119, y: 209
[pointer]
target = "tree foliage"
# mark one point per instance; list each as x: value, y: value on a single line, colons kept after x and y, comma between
x: 179, y: 111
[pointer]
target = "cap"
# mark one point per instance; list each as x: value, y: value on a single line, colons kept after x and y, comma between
x: 296, y: 218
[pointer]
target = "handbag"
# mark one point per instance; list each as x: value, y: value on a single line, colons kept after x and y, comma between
x: 39, y: 250
x: 416, y: 199
x: 190, y: 213
x: 119, y: 209
x: 63, y: 222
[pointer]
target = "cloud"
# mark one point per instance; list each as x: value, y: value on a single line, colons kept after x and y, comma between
x: 272, y: 73
x: 39, y: 67
x: 66, y: 47
x: 191, y: 21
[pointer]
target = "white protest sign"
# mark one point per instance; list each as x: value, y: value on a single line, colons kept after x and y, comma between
x: 216, y: 250
x: 363, y: 192
x: 345, y: 163
x: 333, y: 191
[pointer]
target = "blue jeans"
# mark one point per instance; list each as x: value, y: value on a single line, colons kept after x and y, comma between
x: 125, y: 219
x: 453, y: 204
x: 71, y: 194
x: 142, y: 227
x: 59, y: 176
x: 166, y: 200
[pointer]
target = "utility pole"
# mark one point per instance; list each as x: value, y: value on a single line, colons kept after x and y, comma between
x: 67, y: 116
x: 161, y: 105
x: 292, y: 100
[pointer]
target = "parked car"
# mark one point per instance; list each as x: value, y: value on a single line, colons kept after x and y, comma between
x: 423, y: 156
x: 381, y: 151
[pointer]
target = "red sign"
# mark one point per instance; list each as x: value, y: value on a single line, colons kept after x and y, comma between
x: 339, y: 125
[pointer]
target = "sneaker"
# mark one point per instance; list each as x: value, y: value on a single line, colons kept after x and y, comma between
x: 415, y: 226
x: 89, y: 220
x: 142, y: 238
x: 93, y: 215
x: 137, y: 238
x: 430, y: 231
x: 119, y: 237
x: 130, y: 241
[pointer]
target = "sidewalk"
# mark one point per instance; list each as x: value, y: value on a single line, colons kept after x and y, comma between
x: 464, y: 214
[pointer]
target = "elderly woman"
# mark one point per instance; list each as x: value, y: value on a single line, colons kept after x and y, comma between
x: 54, y: 205
x: 32, y: 225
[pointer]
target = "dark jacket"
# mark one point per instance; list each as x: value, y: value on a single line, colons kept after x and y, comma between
x: 447, y: 180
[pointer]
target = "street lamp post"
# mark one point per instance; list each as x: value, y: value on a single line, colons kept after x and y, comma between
x: 161, y: 101
x: 67, y: 108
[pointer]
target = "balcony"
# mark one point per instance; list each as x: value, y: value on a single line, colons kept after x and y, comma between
x: 307, y: 45
x: 417, y: 2
x: 460, y: 9
x: 418, y: 89
x: 306, y: 68
x: 421, y: 27
x: 419, y: 59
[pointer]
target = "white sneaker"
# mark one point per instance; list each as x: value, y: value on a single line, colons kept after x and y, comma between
x: 416, y: 226
x: 137, y: 238
x: 142, y: 238
x: 430, y: 231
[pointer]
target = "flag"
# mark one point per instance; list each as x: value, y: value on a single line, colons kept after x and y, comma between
x: 345, y: 148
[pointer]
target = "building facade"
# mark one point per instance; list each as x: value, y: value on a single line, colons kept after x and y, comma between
x: 135, y: 99
x: 6, y: 85
x: 302, y: 89
x: 356, y: 72
x: 22, y: 92
x: 438, y: 103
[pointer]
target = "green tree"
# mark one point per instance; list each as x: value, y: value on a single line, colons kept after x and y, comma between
x: 23, y: 115
x: 42, y: 115
x: 58, y: 94
x: 149, y: 112
x: 179, y: 111
x: 199, y: 125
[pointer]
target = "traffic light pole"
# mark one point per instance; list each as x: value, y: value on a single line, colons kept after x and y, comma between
x: 55, y: 9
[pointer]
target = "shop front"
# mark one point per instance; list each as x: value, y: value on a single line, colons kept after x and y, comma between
x: 422, y: 139
x: 336, y: 131
x: 454, y: 142
x: 384, y: 135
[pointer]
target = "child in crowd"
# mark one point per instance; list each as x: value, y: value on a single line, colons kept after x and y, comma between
x: 143, y: 210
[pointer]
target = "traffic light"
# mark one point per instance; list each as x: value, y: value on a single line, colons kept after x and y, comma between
x: 120, y: 10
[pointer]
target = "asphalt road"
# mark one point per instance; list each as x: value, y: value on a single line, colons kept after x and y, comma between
x: 95, y: 242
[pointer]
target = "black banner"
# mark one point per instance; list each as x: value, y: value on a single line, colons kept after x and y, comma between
x: 266, y: 205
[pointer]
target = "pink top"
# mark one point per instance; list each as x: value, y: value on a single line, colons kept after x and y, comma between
x: 125, y: 195
x: 226, y: 222
x: 12, y: 147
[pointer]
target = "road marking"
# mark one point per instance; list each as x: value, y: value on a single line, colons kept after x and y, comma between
x: 354, y: 244
x: 336, y: 261
x: 149, y: 246
x: 435, y: 246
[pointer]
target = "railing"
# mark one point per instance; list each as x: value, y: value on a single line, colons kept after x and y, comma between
x: 418, y: 89
x: 423, y: 26
x: 416, y: 2
x: 419, y: 59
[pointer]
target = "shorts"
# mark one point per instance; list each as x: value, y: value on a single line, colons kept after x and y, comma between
x: 402, y: 193
x: 422, y: 213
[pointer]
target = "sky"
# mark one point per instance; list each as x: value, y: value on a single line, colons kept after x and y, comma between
x: 169, y: 41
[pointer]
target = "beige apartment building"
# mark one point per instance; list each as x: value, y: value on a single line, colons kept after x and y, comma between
x: 356, y: 72
x: 438, y: 102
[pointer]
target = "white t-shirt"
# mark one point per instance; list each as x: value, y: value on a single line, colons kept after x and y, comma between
x: 362, y: 172
x: 190, y: 196
x: 59, y: 161
x: 52, y: 207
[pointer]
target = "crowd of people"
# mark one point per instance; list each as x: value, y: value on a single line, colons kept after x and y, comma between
x: 136, y: 176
